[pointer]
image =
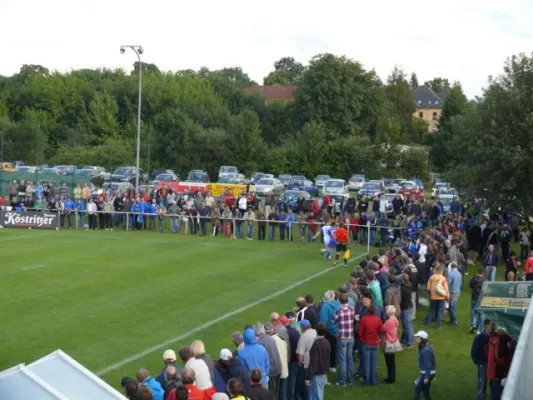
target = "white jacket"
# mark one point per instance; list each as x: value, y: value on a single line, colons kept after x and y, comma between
x: 283, y: 355
x: 383, y: 204
x: 91, y: 208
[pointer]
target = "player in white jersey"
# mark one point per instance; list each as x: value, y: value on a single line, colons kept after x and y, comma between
x: 327, y: 231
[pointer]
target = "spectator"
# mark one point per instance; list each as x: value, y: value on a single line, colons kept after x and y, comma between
x: 273, y: 223
x: 344, y: 319
x: 249, y: 217
x: 188, y: 377
x: 281, y: 331
x: 511, y: 266
x: 391, y: 343
x: 393, y: 295
x: 169, y: 360
x: 455, y: 282
x: 258, y: 392
x: 476, y: 284
x: 129, y: 387
x: 490, y: 261
x: 234, y: 388
x: 238, y: 341
x: 327, y: 311
x: 231, y: 367
x: 306, y: 311
x: 201, y: 370
x: 283, y: 355
x: 479, y: 353
x: 438, y: 290
x: 528, y: 268
x: 524, y: 245
x: 369, y: 329
x: 274, y: 358
x: 292, y: 321
x: 374, y: 287
x: 253, y: 355
x: 304, y: 347
x: 144, y: 377
x: 499, y: 360
x: 294, y: 337
x: 406, y: 306
x: 198, y: 350
x: 172, y: 381
x: 144, y: 393
x: 182, y: 393
x: 426, y: 365
x: 319, y: 357
x: 261, y: 225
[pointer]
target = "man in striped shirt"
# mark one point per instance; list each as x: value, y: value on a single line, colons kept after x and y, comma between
x: 345, y: 318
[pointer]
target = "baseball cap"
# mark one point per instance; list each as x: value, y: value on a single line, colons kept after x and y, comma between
x: 305, y: 323
x: 225, y: 354
x: 290, y: 315
x: 169, y: 355
x: 422, y: 334
x: 284, y: 320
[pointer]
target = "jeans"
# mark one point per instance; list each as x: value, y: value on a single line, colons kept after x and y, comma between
x: 476, y: 317
x: 333, y: 349
x: 310, y: 235
x: 408, y: 333
x: 239, y: 229
x: 118, y: 219
x: 161, y: 224
x: 250, y: 231
x: 271, y: 232
x: 496, y: 389
x: 345, y: 356
x: 372, y: 236
x: 282, y: 233
x: 203, y: 226
x: 291, y: 380
x: 151, y: 226
x: 422, y: 387
x: 316, y: 390
x: 174, y: 224
x: 370, y: 364
x: 302, y: 231
x: 454, y: 298
x: 81, y: 221
x: 283, y: 389
x: 490, y: 273
x: 481, y: 381
x: 437, y: 306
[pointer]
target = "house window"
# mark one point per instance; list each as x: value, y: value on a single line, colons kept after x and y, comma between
x: 420, y: 114
x: 435, y: 117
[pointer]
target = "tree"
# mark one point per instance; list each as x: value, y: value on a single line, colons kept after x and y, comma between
x: 456, y: 103
x: 400, y: 99
x: 437, y: 84
x: 341, y: 95
x: 287, y: 71
x: 413, y: 82
x: 497, y: 149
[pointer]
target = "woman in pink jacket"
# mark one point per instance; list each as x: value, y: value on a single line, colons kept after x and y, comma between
x: 391, y: 344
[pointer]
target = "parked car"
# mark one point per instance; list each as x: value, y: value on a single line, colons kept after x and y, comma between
x: 335, y: 187
x: 165, y: 177
x: 437, y: 187
x: 395, y: 185
x: 101, y: 171
x: 355, y: 182
x: 285, y: 179
x: 50, y: 171
x: 267, y: 185
x: 156, y: 172
x: 226, y: 170
x: 243, y: 179
x: 117, y: 187
x: 409, y: 189
x: 27, y: 169
x: 255, y: 177
x: 297, y: 183
x: 370, y: 189
x: 387, y: 182
x: 230, y: 180
x: 418, y: 182
x: 291, y: 196
x: 197, y: 176
x: 320, y: 180
x: 128, y: 174
x: 65, y: 169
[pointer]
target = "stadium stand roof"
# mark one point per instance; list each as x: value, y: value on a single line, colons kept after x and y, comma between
x: 56, y: 376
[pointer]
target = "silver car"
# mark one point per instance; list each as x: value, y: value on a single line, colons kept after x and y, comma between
x: 334, y: 187
x: 268, y: 185
x: 355, y: 182
x: 321, y: 180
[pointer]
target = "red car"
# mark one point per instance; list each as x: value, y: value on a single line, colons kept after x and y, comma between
x: 409, y: 189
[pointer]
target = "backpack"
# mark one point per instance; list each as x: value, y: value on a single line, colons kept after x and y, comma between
x: 440, y: 289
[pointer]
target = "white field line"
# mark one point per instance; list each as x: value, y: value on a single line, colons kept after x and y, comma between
x: 215, y: 321
x: 32, y: 267
x: 24, y: 236
x: 274, y: 281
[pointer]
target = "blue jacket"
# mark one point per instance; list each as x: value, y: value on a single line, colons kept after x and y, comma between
x: 152, y: 209
x: 328, y: 310
x: 70, y: 205
x: 155, y: 387
x: 455, y: 207
x: 426, y: 361
x: 138, y: 208
x: 162, y: 379
x: 219, y: 383
x: 80, y: 207
x: 238, y: 370
x: 478, y: 353
x: 254, y: 355
x: 290, y: 220
x: 455, y: 281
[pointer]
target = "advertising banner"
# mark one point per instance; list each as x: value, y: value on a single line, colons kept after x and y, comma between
x: 29, y: 219
x: 217, y: 189
x: 182, y: 187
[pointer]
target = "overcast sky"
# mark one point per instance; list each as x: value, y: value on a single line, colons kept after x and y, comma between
x: 465, y: 40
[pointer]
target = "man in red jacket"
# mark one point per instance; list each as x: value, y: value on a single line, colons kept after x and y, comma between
x: 528, y: 268
x: 369, y: 330
x: 498, y: 361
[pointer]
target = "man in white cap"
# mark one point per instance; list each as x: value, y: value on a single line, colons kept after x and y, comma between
x: 426, y: 364
x: 231, y: 367
x: 169, y: 359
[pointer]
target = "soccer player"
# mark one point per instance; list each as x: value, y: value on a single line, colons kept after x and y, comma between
x: 329, y: 242
x: 342, y: 238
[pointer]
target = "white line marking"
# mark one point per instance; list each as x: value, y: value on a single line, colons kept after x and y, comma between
x: 32, y: 267
x: 24, y: 237
x: 274, y: 281
x: 215, y: 321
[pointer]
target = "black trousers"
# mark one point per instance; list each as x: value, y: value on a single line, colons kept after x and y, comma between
x: 273, y: 386
x: 333, y: 353
x: 390, y: 360
x: 92, y: 221
x: 262, y: 232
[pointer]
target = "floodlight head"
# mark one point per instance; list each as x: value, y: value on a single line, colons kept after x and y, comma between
x: 140, y: 50
x: 122, y: 50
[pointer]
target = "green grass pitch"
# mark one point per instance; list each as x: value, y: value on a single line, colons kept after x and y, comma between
x: 119, y: 299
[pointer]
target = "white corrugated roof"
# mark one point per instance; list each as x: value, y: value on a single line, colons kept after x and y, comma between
x: 56, y: 376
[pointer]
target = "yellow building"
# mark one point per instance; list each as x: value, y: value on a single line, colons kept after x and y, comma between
x: 429, y: 106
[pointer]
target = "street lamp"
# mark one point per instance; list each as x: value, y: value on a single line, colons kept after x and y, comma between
x: 138, y: 50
